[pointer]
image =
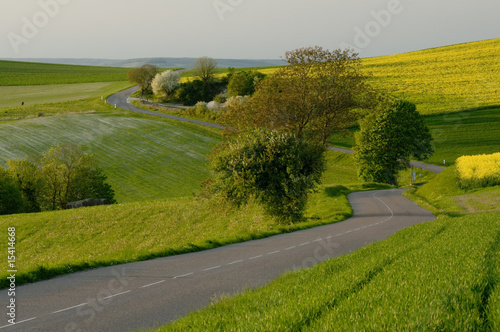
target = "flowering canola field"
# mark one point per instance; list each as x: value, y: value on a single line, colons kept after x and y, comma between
x: 479, y: 171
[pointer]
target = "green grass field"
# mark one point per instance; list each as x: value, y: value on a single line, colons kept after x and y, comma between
x: 39, y: 83
x: 421, y: 279
x: 144, y: 158
x: 14, y: 96
x: 108, y: 235
x: 455, y: 135
x: 437, y: 276
x: 16, y: 73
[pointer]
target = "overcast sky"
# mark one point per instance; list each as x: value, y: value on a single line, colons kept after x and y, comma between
x: 240, y: 29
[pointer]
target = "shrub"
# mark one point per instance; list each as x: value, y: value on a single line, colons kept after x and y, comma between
x: 236, y: 101
x: 278, y: 169
x: 192, y: 92
x: 243, y: 83
x: 164, y: 84
x: 201, y: 111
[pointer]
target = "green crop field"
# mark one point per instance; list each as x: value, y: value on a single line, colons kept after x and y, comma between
x: 438, y: 276
x: 145, y: 159
x: 15, y: 73
x: 14, y: 96
x: 39, y: 83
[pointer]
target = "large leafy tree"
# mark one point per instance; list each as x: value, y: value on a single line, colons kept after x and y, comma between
x: 277, y: 168
x: 10, y: 195
x: 71, y: 175
x: 27, y: 175
x: 388, y: 138
x: 204, y: 68
x: 143, y: 76
x: 315, y: 95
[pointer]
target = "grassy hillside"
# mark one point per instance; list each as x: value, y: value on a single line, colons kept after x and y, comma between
x: 107, y: 235
x: 455, y: 134
x: 420, y: 279
x: 144, y: 158
x: 29, y: 73
x: 438, y: 276
x: 38, y: 83
x: 444, y: 196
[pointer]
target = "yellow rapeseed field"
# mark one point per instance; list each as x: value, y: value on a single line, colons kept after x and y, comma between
x: 439, y: 80
x: 479, y: 171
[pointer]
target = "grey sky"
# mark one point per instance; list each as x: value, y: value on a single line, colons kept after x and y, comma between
x: 248, y: 29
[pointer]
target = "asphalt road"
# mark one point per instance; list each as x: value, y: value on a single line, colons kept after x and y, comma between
x: 146, y: 294
x: 120, y: 100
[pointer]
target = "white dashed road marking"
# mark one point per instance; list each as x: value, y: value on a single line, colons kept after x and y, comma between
x: 219, y: 266
x: 73, y: 307
x: 184, y: 275
x: 153, y: 284
x: 212, y: 268
x: 115, y: 295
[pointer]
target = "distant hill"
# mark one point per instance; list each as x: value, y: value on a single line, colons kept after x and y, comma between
x: 160, y: 62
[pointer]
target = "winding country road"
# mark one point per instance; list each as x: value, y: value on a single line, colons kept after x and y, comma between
x: 147, y: 294
x: 122, y: 98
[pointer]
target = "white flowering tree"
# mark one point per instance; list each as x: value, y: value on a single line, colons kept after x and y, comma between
x: 164, y: 84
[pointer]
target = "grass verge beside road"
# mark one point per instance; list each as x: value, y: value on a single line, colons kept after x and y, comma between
x: 443, y: 275
x: 109, y: 235
x: 442, y: 195
x: 419, y: 279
